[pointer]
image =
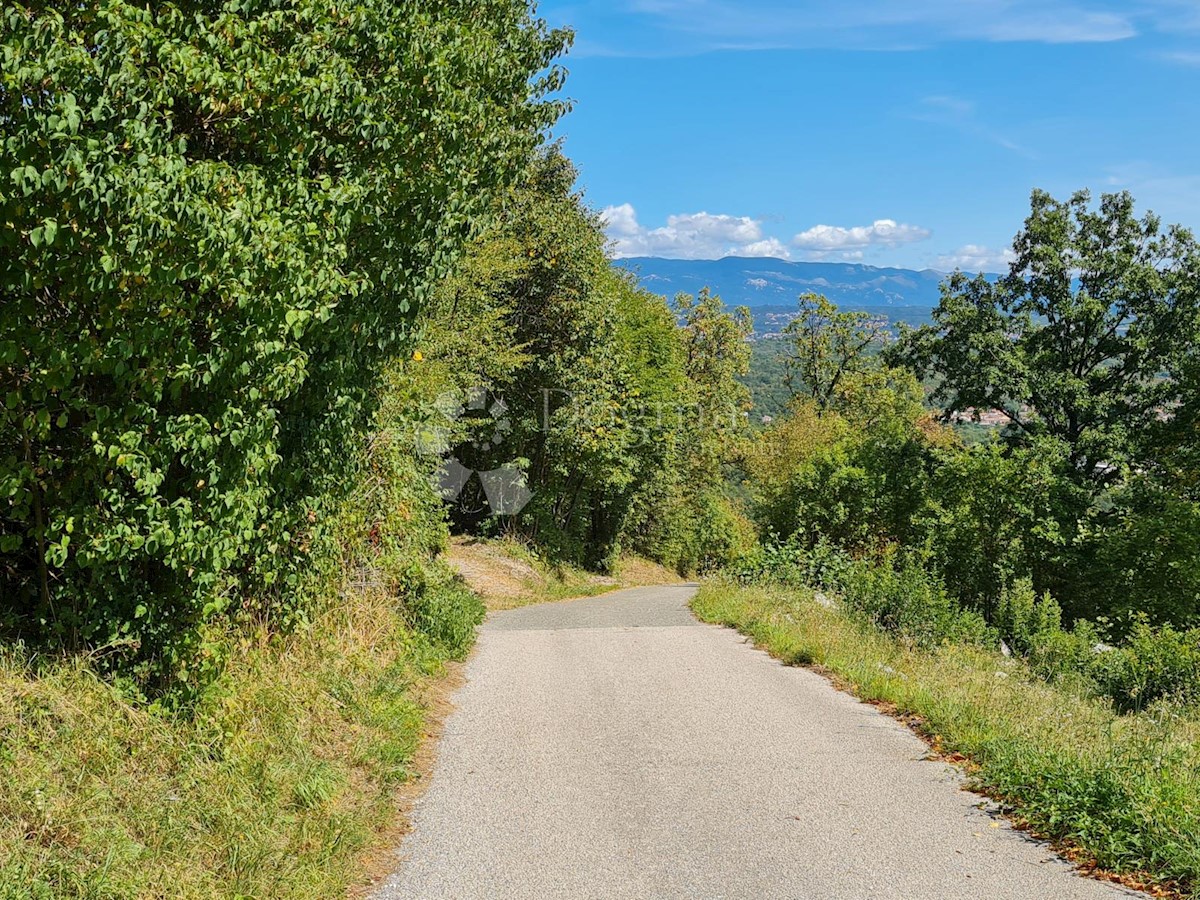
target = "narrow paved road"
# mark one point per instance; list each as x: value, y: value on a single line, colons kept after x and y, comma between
x: 616, y: 748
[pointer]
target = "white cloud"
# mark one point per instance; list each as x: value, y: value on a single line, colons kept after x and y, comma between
x: 770, y: 248
x: 689, y: 236
x: 621, y: 221
x: 975, y: 258
x: 1182, y: 58
x: 674, y: 27
x: 823, y: 241
x: 1058, y: 26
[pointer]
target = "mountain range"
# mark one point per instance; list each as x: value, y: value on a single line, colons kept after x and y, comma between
x: 903, y: 295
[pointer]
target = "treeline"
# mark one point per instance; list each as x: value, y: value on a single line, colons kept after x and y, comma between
x: 615, y: 412
x: 268, y: 271
x: 1077, y: 528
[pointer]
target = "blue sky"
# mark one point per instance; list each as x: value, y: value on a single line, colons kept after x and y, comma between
x: 891, y: 132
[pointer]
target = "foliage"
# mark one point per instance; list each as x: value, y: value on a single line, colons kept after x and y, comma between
x: 218, y: 222
x: 1074, y: 341
x: 828, y: 345
x: 1025, y: 620
x: 851, y: 474
x: 618, y: 417
x: 1089, y: 495
x: 715, y: 356
x: 993, y: 516
x: 1087, y: 347
x: 566, y: 349
x: 686, y: 518
x: 782, y: 464
x: 900, y: 596
x: 1140, y: 556
x: 767, y: 379
x: 1154, y: 663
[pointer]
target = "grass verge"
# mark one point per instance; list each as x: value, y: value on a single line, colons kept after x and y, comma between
x: 275, y: 786
x: 1119, y: 793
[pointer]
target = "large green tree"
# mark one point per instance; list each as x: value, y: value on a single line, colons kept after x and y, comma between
x: 216, y: 223
x: 617, y: 408
x: 1081, y: 340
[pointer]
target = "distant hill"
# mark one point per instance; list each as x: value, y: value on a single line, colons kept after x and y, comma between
x: 903, y: 295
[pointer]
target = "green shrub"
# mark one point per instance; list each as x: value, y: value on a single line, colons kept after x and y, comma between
x: 772, y: 563
x: 903, y: 598
x: 447, y: 612
x: 1024, y: 619
x: 993, y: 516
x: 1153, y: 664
x: 1060, y: 654
x: 789, y: 563
x: 1141, y: 554
x: 718, y: 534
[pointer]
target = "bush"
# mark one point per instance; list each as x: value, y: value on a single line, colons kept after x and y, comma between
x: 1142, y: 555
x: 1024, y: 619
x: 1153, y: 664
x: 447, y: 612
x: 772, y: 564
x: 1060, y: 654
x: 719, y: 534
x: 994, y: 516
x: 791, y: 564
x: 903, y: 598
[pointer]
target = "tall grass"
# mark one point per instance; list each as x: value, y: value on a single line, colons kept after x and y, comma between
x: 1123, y: 790
x: 270, y: 787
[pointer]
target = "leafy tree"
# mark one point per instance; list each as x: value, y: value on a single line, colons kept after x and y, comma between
x: 1080, y: 340
x: 216, y: 224
x: 716, y: 355
x: 711, y: 412
x: 992, y: 515
x: 620, y: 419
x: 855, y: 474
x: 1139, y: 557
x: 575, y: 352
x: 828, y: 346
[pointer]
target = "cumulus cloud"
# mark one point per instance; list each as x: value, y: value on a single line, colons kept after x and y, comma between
x: 689, y: 236
x: 621, y: 221
x: 823, y: 241
x: 975, y: 258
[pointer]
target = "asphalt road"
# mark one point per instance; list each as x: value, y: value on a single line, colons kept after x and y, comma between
x: 616, y: 748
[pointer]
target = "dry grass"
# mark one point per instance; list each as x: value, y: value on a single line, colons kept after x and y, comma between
x: 293, y: 766
x: 508, y: 574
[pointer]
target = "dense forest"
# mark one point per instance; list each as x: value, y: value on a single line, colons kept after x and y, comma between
x: 290, y: 294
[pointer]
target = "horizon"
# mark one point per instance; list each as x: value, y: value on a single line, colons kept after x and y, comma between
x: 895, y: 136
x: 795, y: 262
